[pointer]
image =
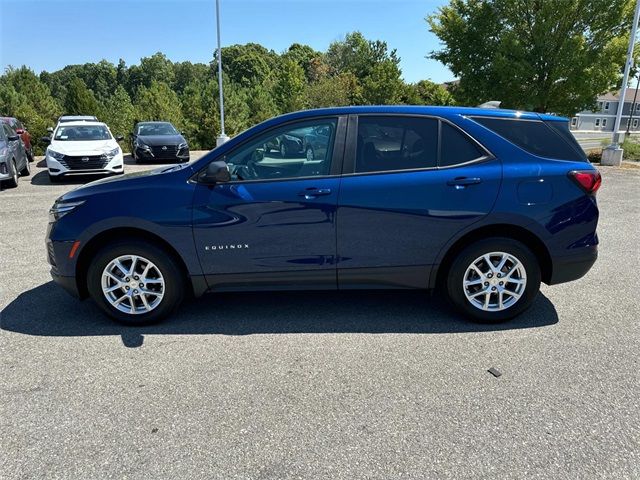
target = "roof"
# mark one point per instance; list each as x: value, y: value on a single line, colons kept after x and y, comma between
x: 83, y: 123
x: 424, y: 110
x: 615, y: 96
x: 70, y: 118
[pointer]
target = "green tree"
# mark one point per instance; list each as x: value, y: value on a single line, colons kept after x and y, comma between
x: 426, y: 92
x: 119, y: 112
x: 159, y: 102
x: 289, y: 87
x: 80, y: 100
x: 335, y: 91
x: 25, y: 96
x: 551, y: 55
x: 383, y: 85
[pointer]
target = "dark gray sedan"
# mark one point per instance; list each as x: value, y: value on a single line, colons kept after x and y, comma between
x: 13, y: 157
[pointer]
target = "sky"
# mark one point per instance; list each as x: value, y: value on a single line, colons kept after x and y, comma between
x: 49, y: 34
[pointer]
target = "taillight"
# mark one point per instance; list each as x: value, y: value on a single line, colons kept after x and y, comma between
x: 588, y: 180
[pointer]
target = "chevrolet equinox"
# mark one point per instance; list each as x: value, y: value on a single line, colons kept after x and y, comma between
x: 482, y: 204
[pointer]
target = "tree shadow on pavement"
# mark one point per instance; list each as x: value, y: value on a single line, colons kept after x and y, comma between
x: 49, y: 311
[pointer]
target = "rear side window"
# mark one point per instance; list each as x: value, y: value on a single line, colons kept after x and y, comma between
x: 562, y: 129
x: 533, y: 136
x: 456, y: 147
x: 396, y: 143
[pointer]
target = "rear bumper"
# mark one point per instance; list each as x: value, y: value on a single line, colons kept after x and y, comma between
x: 573, y: 267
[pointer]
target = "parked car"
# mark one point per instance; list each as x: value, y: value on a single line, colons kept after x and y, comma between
x: 13, y: 157
x: 484, y: 204
x: 21, y: 130
x: 158, y: 141
x: 83, y: 147
x: 310, y: 142
x: 73, y: 118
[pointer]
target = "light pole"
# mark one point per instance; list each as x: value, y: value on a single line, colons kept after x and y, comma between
x: 612, y: 155
x: 222, y: 138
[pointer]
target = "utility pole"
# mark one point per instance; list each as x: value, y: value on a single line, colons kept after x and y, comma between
x: 222, y: 138
x: 633, y: 106
x: 612, y: 155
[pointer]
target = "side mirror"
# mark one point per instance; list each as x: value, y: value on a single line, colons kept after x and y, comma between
x: 119, y: 138
x: 13, y: 138
x: 20, y: 131
x: 45, y: 139
x: 50, y: 129
x: 216, y: 172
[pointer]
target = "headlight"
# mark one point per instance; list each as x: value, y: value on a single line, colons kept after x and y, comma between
x: 56, y: 155
x: 60, y: 209
x: 182, y: 145
x: 140, y: 144
x: 112, y: 153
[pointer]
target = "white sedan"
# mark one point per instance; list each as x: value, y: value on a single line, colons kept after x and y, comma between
x: 83, y: 148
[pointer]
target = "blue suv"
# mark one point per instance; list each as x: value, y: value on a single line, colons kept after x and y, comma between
x: 483, y: 204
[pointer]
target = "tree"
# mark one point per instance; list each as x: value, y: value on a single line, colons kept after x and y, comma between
x: 426, y: 92
x: 289, y: 86
x: 119, y: 112
x: 551, y: 55
x: 336, y: 91
x: 80, y: 100
x: 358, y: 55
x: 25, y: 96
x: 159, y: 102
x: 383, y: 85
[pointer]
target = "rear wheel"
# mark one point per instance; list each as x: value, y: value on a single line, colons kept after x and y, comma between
x: 494, y: 279
x: 30, y: 156
x: 135, y: 282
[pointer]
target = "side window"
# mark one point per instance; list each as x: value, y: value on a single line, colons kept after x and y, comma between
x: 303, y: 149
x: 457, y: 147
x: 396, y: 143
x: 533, y: 136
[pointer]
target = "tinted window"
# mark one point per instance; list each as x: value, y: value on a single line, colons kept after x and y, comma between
x: 396, y: 143
x: 562, y: 129
x: 457, y: 147
x: 302, y: 149
x: 533, y: 136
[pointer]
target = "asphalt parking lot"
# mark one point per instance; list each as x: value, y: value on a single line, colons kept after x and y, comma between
x: 320, y: 385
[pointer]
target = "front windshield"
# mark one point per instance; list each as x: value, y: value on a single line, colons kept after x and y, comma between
x: 156, y: 129
x: 82, y: 133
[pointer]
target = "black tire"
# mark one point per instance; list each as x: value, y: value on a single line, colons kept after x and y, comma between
x: 174, y: 287
x: 13, y: 181
x: 456, y: 275
x: 26, y: 171
x: 30, y: 156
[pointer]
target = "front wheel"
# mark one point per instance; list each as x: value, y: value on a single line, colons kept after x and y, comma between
x: 26, y: 171
x: 13, y: 181
x: 135, y: 282
x: 494, y: 279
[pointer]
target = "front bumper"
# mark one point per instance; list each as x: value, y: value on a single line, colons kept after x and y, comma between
x: 181, y: 155
x: 572, y: 267
x: 56, y: 168
x: 69, y: 284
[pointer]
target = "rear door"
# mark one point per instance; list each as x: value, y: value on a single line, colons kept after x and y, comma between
x: 410, y: 184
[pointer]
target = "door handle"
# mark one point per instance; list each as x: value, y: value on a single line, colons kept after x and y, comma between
x: 462, y: 182
x: 311, y: 193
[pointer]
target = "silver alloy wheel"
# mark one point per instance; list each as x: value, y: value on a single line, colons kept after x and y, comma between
x: 309, y: 154
x: 133, y: 284
x: 494, y: 281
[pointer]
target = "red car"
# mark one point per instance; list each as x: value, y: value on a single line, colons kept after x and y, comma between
x: 22, y: 131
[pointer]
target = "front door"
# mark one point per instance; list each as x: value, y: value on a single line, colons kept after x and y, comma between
x: 274, y: 224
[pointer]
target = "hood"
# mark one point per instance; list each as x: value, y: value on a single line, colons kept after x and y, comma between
x: 91, y: 147
x: 153, y: 140
x: 122, y: 182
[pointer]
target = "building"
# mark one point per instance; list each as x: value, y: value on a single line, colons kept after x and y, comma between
x: 604, y: 117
